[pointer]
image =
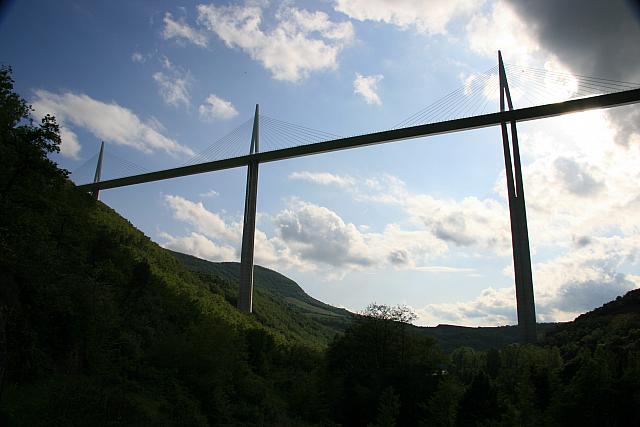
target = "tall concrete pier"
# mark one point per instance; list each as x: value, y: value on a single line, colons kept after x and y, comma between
x: 96, y: 191
x: 245, y: 292
x: 518, y: 215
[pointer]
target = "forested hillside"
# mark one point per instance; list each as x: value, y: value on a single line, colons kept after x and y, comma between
x: 273, y: 289
x: 278, y: 300
x: 101, y: 326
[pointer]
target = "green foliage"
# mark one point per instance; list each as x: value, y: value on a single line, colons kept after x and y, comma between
x: 377, y: 354
x: 278, y: 301
x: 100, y: 326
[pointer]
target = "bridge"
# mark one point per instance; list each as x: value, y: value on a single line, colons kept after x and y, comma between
x: 593, y: 93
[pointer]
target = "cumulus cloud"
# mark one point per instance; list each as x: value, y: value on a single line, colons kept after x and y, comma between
x: 503, y: 29
x: 576, y: 177
x: 592, y: 38
x: 492, y: 307
x: 306, y: 237
x: 577, y: 181
x: 320, y: 235
x: 586, y: 277
x: 300, y: 43
x: 323, y: 178
x: 211, y: 193
x: 174, y: 89
x: 431, y: 18
x: 218, y: 239
x: 367, y: 87
x: 215, y: 107
x: 471, y: 223
x: 203, y: 221
x: 173, y: 84
x: 200, y: 246
x: 182, y: 31
x: 564, y: 287
x: 109, y: 122
x: 70, y: 146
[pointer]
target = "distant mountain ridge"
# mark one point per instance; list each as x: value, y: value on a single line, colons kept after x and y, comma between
x: 335, y: 320
x: 265, y: 279
x: 275, y: 295
x: 330, y: 320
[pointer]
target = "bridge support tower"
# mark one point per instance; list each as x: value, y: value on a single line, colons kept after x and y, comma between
x: 245, y: 292
x: 518, y: 215
x: 96, y: 192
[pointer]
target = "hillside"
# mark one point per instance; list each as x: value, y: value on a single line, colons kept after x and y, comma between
x: 101, y: 326
x: 271, y: 290
x: 275, y: 289
x: 483, y: 338
x: 615, y: 324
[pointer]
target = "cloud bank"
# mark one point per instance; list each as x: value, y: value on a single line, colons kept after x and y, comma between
x: 109, y: 122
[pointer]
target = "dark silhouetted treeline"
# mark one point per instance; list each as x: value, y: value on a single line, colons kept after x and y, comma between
x: 99, y: 326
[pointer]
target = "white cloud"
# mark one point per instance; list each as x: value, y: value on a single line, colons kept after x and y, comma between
x: 70, y: 146
x: 174, y: 88
x: 211, y: 193
x: 367, y: 86
x: 565, y: 287
x: 592, y: 179
x: 306, y: 237
x: 443, y: 269
x: 492, y: 307
x: 215, y: 107
x: 109, y: 122
x: 217, y: 239
x: 204, y: 221
x: 319, y: 234
x: 479, y: 224
x: 587, y: 276
x: 181, y: 30
x: 300, y: 43
x: 138, y: 57
x: 429, y: 18
x: 200, y: 246
x: 469, y: 224
x: 323, y: 178
x: 320, y: 237
x: 501, y: 29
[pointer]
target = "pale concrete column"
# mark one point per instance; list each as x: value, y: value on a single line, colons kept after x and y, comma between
x: 245, y: 291
x: 96, y: 192
x: 519, y: 231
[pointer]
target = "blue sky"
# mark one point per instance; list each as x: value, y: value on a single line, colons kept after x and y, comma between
x: 421, y: 222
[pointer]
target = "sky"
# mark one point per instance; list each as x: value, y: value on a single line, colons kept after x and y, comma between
x: 420, y: 222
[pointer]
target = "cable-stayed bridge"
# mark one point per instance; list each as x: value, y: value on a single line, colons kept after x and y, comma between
x: 542, y: 93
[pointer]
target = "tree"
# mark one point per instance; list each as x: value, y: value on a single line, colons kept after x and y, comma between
x: 24, y: 146
x: 398, y: 313
x: 379, y: 352
x: 24, y: 165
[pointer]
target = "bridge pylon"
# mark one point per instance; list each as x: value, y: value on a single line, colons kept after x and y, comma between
x: 245, y: 291
x: 519, y: 232
x: 96, y: 191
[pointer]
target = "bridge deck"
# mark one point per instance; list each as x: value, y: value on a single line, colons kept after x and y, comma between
x: 476, y: 122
